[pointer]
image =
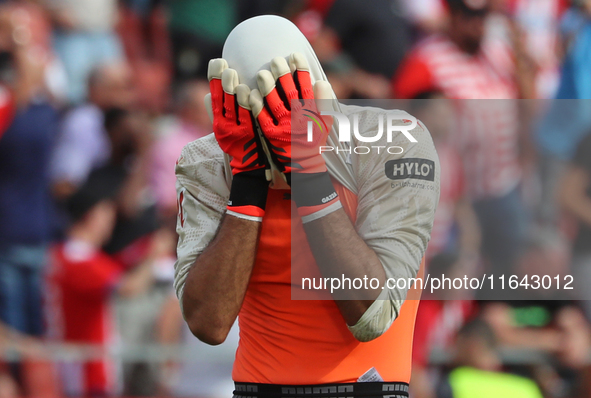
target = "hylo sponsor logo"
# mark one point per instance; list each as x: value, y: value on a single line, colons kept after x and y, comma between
x: 420, y: 169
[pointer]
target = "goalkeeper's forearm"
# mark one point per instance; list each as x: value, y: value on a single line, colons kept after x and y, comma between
x: 217, y: 282
x: 339, y: 250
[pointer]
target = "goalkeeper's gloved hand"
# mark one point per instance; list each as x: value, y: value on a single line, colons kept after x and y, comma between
x: 235, y: 131
x: 283, y: 107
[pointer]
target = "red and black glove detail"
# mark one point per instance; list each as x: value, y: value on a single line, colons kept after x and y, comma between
x: 236, y: 133
x: 286, y: 110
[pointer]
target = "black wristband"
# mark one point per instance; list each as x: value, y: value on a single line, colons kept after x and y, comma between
x: 312, y: 189
x: 249, y: 188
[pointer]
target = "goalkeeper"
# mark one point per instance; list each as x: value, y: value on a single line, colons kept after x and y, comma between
x: 357, y: 215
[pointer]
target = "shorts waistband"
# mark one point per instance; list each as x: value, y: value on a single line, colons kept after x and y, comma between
x: 345, y: 390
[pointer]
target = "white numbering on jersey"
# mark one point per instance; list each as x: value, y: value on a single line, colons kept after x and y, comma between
x: 180, y: 209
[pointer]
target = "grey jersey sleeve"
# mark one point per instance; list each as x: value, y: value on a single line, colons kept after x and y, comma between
x: 202, y: 192
x: 398, y: 193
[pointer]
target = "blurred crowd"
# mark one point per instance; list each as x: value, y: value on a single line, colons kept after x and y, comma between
x: 98, y: 97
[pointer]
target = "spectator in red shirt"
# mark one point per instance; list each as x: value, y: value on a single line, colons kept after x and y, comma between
x: 463, y: 65
x: 81, y: 281
x: 460, y: 61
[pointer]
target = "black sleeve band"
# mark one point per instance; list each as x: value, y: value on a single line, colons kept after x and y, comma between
x: 312, y: 189
x: 249, y: 188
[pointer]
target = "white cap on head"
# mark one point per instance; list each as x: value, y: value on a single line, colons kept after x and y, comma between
x: 252, y: 45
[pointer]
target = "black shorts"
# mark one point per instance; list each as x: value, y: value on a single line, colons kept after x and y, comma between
x: 346, y: 390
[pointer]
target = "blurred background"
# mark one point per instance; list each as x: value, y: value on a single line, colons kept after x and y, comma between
x: 98, y: 97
